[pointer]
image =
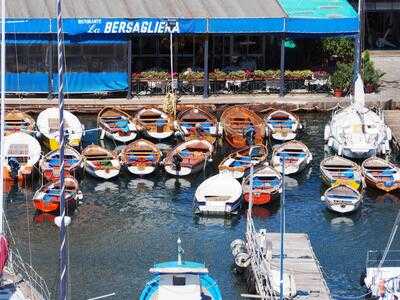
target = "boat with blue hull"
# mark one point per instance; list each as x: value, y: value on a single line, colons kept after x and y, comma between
x: 181, y: 280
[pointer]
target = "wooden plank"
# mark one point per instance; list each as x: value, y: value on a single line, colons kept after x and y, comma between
x: 302, y: 262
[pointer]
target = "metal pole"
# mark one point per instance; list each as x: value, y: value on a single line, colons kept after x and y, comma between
x: 171, y: 49
x: 282, y: 68
x: 206, y: 77
x: 282, y: 228
x: 129, y: 96
x: 3, y: 100
x: 63, y: 285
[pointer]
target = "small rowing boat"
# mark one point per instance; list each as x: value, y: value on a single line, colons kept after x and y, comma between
x: 188, y: 158
x: 155, y: 123
x: 239, y: 162
x: 335, y: 169
x: 381, y: 174
x: 196, y: 123
x: 181, y: 280
x: 342, y: 199
x: 219, y: 194
x: 100, y: 162
x: 297, y: 157
x: 141, y: 157
x: 17, y: 121
x: 47, y: 198
x: 242, y: 127
x: 48, y: 126
x: 22, y: 151
x: 267, y: 185
x: 282, y: 125
x: 116, y: 125
x: 50, y: 163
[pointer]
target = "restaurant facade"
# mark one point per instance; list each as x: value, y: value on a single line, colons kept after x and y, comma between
x: 108, y: 48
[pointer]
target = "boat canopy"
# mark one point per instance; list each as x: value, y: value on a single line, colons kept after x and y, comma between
x: 178, y: 270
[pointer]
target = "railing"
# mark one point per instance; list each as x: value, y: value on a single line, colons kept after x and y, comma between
x: 221, y: 87
x: 36, y: 284
x: 374, y: 257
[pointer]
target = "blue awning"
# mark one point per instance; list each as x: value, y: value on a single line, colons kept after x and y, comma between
x: 117, y: 29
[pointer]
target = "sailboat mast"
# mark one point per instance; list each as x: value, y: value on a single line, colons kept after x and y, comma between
x: 2, y: 117
x: 63, y: 288
x: 281, y: 296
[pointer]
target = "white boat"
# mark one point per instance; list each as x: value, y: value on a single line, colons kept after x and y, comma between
x: 356, y: 131
x: 22, y: 152
x: 17, y: 121
x: 100, y: 162
x: 385, y: 279
x: 47, y: 124
x: 282, y: 125
x: 296, y: 154
x: 219, y: 194
x: 342, y: 199
x: 155, y: 123
x: 116, y: 125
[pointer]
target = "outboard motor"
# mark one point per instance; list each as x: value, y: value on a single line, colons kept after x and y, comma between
x: 176, y: 161
x: 250, y: 133
x: 14, y: 166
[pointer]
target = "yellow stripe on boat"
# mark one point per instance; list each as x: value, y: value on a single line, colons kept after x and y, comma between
x: 351, y: 183
x: 53, y: 144
x: 74, y: 142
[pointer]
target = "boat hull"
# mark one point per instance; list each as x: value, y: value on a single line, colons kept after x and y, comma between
x: 121, y: 138
x: 343, y: 208
x: 141, y: 170
x: 395, y: 187
x: 184, y: 171
x: 53, y: 206
x: 260, y: 198
x: 102, y: 173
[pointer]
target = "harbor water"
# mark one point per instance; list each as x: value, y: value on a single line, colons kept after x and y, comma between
x: 126, y: 225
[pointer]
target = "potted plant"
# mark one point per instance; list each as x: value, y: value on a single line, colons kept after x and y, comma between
x: 237, y: 75
x: 218, y: 75
x: 370, y: 75
x: 341, y: 79
x: 192, y: 76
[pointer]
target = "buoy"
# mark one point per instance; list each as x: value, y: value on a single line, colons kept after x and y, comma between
x: 67, y: 220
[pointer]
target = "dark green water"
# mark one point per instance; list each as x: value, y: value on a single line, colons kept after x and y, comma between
x: 126, y: 225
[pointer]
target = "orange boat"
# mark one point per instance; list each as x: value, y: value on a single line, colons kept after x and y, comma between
x: 196, y: 123
x: 17, y: 121
x: 242, y: 127
x: 47, y: 198
x: 141, y: 157
x: 267, y: 184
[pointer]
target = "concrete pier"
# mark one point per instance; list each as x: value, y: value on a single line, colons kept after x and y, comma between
x: 392, y: 119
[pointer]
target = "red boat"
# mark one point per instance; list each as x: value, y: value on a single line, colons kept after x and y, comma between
x: 267, y: 184
x: 47, y: 198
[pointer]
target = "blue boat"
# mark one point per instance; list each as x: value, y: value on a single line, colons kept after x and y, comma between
x: 181, y: 280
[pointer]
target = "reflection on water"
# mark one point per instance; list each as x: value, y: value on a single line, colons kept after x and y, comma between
x: 126, y: 225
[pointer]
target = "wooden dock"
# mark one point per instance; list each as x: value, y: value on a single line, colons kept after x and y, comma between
x: 300, y: 260
x: 392, y: 119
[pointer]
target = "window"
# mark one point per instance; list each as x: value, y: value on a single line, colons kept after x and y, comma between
x: 178, y: 280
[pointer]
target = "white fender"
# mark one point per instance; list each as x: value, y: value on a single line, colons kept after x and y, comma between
x: 102, y: 134
x: 83, y: 130
x: 330, y: 142
x: 327, y: 132
x: 220, y: 129
x: 340, y: 150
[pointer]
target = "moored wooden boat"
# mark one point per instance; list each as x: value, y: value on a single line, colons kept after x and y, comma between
x: 48, y: 125
x: 188, y: 158
x: 297, y: 157
x: 116, y: 125
x: 22, y: 151
x: 141, y: 157
x: 219, y: 194
x: 342, y: 199
x: 16, y: 121
x: 267, y: 185
x: 381, y: 174
x: 47, y: 198
x: 239, y: 162
x: 196, y: 123
x: 282, y: 125
x: 155, y: 123
x: 335, y: 169
x: 50, y: 163
x: 242, y: 127
x: 100, y: 162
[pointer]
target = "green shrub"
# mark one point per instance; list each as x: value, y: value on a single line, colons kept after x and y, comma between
x: 342, y: 78
x: 342, y: 48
